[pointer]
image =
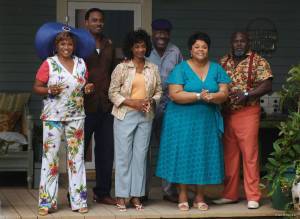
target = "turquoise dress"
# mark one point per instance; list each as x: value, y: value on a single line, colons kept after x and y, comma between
x: 191, y: 150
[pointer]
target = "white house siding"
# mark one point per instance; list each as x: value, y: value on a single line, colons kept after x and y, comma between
x: 19, y: 21
x: 220, y: 18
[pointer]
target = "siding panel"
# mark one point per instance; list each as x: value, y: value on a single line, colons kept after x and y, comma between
x: 19, y: 21
x: 220, y: 18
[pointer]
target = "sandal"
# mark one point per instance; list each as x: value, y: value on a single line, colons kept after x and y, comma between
x: 121, y: 207
x: 183, y: 206
x: 202, y: 206
x: 83, y: 210
x: 43, y: 211
x: 137, y: 204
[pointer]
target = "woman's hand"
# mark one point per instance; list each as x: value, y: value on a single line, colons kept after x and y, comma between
x: 89, y: 88
x: 216, y: 98
x: 142, y: 105
x: 206, y: 96
x: 54, y: 90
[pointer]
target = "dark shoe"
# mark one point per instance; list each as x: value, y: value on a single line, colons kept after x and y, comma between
x: 105, y: 200
x: 171, y: 198
x: 144, y: 198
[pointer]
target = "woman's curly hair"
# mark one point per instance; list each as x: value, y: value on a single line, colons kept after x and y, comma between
x: 134, y: 37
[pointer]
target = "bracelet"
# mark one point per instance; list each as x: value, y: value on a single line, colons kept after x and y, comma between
x: 198, y: 96
x: 49, y: 91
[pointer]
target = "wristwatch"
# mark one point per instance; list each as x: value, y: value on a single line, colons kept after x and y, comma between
x: 246, y: 94
x: 198, y: 96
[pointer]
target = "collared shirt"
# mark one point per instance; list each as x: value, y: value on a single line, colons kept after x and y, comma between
x: 166, y: 63
x: 239, y: 75
x: 121, y: 86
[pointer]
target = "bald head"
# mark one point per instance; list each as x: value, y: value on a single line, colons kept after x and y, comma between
x: 239, y: 44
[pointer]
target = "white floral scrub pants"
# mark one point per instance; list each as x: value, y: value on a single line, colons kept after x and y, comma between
x: 52, y: 132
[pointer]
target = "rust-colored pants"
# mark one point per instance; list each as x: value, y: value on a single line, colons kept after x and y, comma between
x: 241, y: 138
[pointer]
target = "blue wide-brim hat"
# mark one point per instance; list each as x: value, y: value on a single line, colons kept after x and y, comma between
x: 46, y: 34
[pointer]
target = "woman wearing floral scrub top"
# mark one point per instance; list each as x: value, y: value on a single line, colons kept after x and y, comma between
x: 190, y: 148
x: 61, y: 79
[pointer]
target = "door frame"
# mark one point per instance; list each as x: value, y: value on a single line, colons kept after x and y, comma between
x: 65, y: 13
x: 145, y: 9
x: 136, y: 8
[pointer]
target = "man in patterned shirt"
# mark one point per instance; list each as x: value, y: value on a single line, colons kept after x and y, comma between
x: 251, y: 78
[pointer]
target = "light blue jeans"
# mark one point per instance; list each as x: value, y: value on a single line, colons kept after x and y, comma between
x: 131, y: 139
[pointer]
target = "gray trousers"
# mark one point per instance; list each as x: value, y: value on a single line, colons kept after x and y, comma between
x: 131, y: 139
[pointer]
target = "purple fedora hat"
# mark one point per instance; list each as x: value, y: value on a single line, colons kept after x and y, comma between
x: 46, y: 34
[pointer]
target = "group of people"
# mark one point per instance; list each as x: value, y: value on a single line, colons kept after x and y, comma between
x: 153, y: 95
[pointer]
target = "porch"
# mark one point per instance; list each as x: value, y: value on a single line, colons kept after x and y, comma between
x: 19, y: 202
x: 22, y: 203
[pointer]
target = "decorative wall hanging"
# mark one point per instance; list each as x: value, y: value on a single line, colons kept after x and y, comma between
x: 263, y: 36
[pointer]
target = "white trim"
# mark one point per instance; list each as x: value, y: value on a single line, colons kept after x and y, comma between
x: 135, y: 7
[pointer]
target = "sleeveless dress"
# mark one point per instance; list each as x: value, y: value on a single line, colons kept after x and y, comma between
x: 191, y: 150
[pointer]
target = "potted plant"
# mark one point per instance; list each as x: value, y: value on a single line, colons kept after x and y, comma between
x: 284, y: 160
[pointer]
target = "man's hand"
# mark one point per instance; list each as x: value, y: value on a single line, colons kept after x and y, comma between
x: 238, y: 97
x: 89, y: 88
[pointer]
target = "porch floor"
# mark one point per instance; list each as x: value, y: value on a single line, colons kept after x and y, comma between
x: 22, y: 203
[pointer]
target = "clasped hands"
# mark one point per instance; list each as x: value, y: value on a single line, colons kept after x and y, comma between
x: 238, y: 97
x: 206, y: 96
x: 143, y: 105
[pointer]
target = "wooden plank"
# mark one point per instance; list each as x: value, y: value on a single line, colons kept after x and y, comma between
x: 6, y: 209
x: 31, y: 202
x: 97, y: 211
x: 149, y: 211
x: 168, y: 210
x: 64, y: 211
x: 18, y: 204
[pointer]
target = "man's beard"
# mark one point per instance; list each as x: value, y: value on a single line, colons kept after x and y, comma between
x: 239, y: 53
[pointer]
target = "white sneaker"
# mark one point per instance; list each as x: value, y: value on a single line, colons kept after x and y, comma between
x: 253, y: 204
x: 222, y: 201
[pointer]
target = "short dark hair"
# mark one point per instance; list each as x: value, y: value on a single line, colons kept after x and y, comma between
x: 198, y: 36
x: 134, y: 37
x: 91, y: 10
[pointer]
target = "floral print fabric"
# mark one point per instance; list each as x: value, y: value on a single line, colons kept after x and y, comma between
x: 68, y: 105
x: 239, y: 74
x: 74, y: 133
